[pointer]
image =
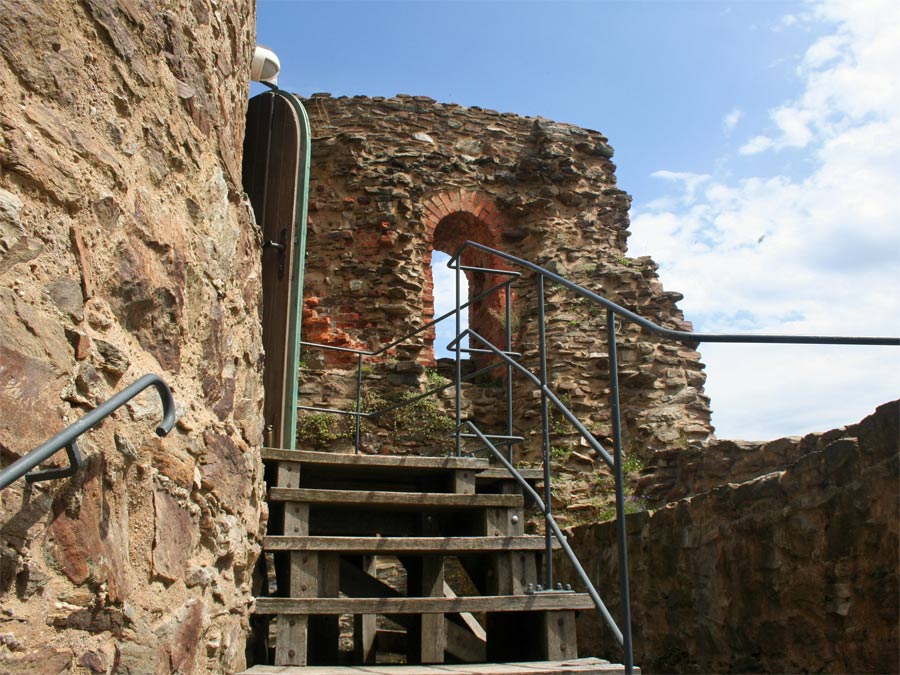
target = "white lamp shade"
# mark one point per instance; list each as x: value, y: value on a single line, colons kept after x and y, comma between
x: 265, y: 65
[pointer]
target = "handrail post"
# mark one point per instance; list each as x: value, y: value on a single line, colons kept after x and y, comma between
x: 458, y: 359
x: 358, y: 399
x: 509, y: 372
x: 620, y: 487
x: 545, y: 431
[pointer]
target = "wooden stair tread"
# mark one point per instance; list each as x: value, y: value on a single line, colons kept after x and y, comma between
x: 422, y: 545
x: 347, y: 460
x: 407, y: 605
x: 499, y: 473
x: 397, y: 500
x: 584, y: 666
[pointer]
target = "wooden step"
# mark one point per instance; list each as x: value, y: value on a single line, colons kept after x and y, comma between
x: 403, y: 501
x: 588, y: 666
x: 398, y: 545
x: 406, y: 605
x: 407, y: 463
x: 495, y: 474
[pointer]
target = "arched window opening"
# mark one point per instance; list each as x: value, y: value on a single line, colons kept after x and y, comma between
x: 486, y: 316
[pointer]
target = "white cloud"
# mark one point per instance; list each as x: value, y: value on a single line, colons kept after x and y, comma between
x: 731, y: 119
x: 690, y: 181
x: 822, y: 51
x: 850, y: 76
x: 786, y: 21
x: 818, y: 253
x: 793, y: 123
x: 756, y: 145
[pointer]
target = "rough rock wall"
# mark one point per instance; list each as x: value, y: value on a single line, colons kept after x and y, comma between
x: 125, y: 246
x: 795, y: 570
x: 394, y: 179
x: 678, y: 473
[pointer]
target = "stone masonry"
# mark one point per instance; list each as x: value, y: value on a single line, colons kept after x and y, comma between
x: 395, y: 179
x: 126, y: 247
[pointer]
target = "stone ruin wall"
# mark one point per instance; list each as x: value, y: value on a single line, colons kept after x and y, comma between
x: 393, y: 179
x: 777, y: 558
x: 126, y: 247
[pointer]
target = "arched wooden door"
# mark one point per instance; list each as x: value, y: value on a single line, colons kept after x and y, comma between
x: 275, y: 170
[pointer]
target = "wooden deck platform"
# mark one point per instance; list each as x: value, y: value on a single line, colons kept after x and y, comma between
x: 588, y: 666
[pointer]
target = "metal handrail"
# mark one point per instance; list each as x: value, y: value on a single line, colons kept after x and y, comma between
x: 552, y: 524
x: 672, y: 334
x: 68, y: 436
x: 624, y: 636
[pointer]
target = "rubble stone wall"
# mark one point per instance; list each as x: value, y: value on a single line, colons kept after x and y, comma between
x: 126, y: 247
x: 794, y: 570
x: 394, y: 179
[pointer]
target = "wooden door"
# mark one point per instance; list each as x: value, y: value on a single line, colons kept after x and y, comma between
x: 272, y: 157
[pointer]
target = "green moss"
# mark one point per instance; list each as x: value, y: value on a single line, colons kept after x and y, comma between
x: 422, y: 421
x: 318, y: 429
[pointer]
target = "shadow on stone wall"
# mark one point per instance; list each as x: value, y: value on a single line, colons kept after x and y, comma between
x: 792, y: 569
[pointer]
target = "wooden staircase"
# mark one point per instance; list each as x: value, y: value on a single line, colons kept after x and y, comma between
x: 406, y: 560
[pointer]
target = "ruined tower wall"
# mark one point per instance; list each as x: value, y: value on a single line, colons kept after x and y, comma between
x: 392, y: 179
x: 126, y: 247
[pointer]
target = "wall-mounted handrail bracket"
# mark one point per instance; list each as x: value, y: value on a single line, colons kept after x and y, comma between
x: 76, y: 461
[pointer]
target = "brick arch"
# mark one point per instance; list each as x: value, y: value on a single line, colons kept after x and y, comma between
x: 452, y: 218
x: 482, y: 207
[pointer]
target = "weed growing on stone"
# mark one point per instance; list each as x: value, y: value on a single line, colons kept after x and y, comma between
x: 433, y: 379
x: 422, y: 421
x: 632, y: 505
x: 560, y: 453
x: 632, y: 464
x: 558, y: 422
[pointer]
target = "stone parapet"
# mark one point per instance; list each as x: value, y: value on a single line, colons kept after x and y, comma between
x: 794, y: 570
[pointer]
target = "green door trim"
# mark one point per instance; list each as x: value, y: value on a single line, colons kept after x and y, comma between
x: 295, y: 301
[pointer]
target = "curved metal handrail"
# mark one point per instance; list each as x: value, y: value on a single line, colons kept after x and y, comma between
x: 67, y: 437
x: 672, y: 334
x: 624, y: 635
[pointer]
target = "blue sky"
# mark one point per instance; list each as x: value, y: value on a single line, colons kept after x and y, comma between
x: 655, y: 77
x: 758, y: 139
